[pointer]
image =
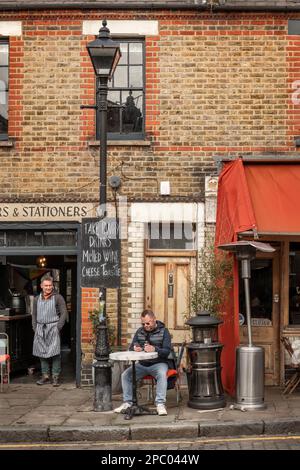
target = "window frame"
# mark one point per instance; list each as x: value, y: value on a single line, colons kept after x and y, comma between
x: 4, y: 135
x: 131, y: 135
x: 168, y: 249
x: 293, y: 310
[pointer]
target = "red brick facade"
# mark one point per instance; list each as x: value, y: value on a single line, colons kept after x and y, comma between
x: 216, y: 84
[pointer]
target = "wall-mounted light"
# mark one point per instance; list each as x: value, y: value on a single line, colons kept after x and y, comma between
x: 41, y: 261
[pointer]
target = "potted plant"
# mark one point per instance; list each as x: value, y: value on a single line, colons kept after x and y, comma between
x: 213, y: 281
x: 208, y: 296
x: 96, y: 316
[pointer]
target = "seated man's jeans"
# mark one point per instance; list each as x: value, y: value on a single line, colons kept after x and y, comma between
x: 158, y: 371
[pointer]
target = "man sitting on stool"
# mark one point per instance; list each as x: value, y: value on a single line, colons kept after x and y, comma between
x: 151, y: 336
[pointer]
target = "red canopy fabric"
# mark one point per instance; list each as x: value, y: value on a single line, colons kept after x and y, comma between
x: 234, y: 214
x: 252, y: 196
x: 275, y: 195
x: 234, y: 207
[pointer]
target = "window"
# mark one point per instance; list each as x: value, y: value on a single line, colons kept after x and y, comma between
x: 37, y: 238
x: 261, y: 293
x: 294, y: 27
x: 3, y: 89
x: 125, y: 115
x: 171, y: 236
x: 294, y: 284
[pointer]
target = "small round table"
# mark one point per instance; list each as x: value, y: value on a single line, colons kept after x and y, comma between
x: 134, y: 356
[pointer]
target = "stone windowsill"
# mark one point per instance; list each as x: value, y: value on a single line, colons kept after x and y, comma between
x: 120, y: 143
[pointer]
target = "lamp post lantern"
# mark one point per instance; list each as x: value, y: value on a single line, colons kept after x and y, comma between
x: 104, y: 54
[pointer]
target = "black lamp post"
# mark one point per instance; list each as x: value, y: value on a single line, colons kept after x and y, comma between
x: 105, y: 54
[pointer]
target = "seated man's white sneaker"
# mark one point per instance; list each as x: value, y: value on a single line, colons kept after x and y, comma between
x: 123, y: 407
x: 161, y: 409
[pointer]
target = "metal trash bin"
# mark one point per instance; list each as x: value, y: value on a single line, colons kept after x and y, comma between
x: 204, y: 352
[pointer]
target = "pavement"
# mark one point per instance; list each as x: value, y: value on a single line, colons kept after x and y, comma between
x: 32, y: 413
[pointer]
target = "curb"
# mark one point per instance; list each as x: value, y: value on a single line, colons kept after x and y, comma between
x: 164, y: 431
x: 23, y: 433
x: 188, y: 430
x: 223, y: 428
x: 88, y: 433
x: 282, y: 426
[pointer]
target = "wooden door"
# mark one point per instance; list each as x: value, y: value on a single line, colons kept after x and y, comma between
x: 265, y: 312
x: 167, y: 291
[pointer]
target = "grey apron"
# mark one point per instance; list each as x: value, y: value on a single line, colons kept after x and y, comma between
x: 46, y: 341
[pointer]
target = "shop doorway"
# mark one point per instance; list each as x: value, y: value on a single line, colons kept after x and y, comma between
x: 168, y: 281
x: 170, y: 267
x: 25, y: 256
x: 265, y: 312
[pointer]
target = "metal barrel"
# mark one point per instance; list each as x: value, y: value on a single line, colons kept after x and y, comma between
x: 205, y: 385
x: 250, y: 366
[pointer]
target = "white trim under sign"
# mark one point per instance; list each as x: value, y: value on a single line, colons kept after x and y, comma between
x: 10, y: 28
x: 122, y: 28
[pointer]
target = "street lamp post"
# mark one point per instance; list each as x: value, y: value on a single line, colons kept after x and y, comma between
x: 104, y: 54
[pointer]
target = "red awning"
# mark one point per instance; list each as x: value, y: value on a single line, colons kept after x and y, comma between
x: 263, y: 197
x: 274, y: 190
x: 234, y: 214
x: 234, y: 207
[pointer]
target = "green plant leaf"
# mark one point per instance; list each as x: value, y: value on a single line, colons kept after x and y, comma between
x: 213, y: 280
x: 94, y: 316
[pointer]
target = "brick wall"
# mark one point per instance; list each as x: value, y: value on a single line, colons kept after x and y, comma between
x: 215, y: 85
x: 230, y: 83
x: 293, y: 106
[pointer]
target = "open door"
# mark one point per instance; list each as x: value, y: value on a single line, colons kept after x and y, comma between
x: 265, y: 311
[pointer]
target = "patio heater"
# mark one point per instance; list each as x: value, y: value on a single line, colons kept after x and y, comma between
x: 204, y: 381
x: 250, y: 359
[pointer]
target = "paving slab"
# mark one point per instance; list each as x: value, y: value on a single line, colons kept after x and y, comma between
x: 8, y: 419
x: 33, y: 421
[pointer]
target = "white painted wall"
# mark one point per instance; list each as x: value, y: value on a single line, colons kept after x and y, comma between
x: 122, y: 28
x: 10, y: 28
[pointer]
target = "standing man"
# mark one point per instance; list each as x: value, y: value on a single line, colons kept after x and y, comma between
x: 48, y: 318
x: 151, y: 336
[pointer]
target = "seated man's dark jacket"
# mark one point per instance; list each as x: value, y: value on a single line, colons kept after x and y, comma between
x: 160, y: 338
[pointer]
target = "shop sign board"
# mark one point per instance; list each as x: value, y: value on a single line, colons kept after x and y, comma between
x: 100, y: 253
x: 20, y: 212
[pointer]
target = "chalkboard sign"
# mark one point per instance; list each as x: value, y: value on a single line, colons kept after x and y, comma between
x: 100, y: 259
